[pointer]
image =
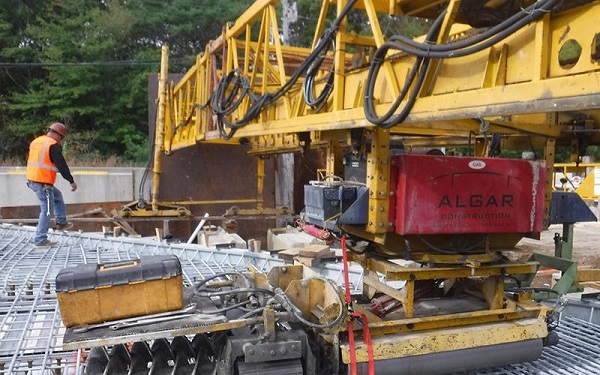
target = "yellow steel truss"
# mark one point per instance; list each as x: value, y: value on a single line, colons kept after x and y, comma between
x: 521, y: 75
x: 522, y: 88
x: 583, y: 178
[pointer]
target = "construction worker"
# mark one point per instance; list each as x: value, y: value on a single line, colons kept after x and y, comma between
x: 44, y: 160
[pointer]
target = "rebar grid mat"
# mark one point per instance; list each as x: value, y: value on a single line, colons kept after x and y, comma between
x: 577, y: 353
x: 31, y: 331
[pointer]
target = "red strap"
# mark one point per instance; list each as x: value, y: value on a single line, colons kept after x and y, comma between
x: 352, y: 348
x: 369, y: 343
x: 346, y: 278
x: 353, y: 315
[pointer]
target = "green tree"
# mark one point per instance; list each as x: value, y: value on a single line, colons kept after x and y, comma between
x: 94, y: 72
x: 86, y: 63
x: 187, y: 26
x: 85, y: 97
x: 17, y: 47
x: 303, y: 30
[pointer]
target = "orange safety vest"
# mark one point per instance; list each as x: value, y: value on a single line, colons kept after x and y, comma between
x: 39, y: 166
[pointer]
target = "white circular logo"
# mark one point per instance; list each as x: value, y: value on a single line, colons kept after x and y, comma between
x: 477, y: 164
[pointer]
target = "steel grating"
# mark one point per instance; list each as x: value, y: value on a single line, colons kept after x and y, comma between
x: 31, y: 331
x: 577, y: 353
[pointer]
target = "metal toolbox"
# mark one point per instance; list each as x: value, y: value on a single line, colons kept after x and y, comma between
x: 94, y: 293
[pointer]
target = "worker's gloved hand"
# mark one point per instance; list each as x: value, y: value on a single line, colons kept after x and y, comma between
x: 73, y: 186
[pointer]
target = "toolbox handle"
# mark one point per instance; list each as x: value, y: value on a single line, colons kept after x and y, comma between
x: 117, y: 265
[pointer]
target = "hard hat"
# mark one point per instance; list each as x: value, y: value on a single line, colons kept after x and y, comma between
x: 59, y: 128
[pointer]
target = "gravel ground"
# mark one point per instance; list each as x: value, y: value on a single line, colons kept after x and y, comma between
x: 586, y: 243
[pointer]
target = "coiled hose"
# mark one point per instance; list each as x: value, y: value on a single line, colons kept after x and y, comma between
x: 426, y: 51
x: 233, y: 88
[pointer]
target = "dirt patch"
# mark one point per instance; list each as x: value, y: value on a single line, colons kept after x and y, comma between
x: 586, y: 249
x: 586, y: 244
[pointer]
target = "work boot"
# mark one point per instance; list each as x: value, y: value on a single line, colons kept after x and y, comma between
x: 64, y: 226
x: 45, y: 244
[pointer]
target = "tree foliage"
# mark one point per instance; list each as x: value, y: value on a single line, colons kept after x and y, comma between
x: 303, y: 30
x: 86, y: 63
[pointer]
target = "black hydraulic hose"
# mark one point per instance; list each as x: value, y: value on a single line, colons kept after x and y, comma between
x: 450, y: 50
x: 528, y: 14
x: 287, y: 304
x: 320, y: 48
x: 495, y: 145
x: 515, y: 279
x: 532, y: 289
x: 426, y: 51
x: 239, y: 290
x: 144, y: 179
x: 316, y: 103
x: 149, y: 163
x: 387, y: 121
x: 452, y: 252
x: 252, y: 312
x: 225, y: 309
x: 223, y: 104
x: 199, y: 285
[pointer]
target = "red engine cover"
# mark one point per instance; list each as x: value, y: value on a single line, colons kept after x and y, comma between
x: 445, y: 194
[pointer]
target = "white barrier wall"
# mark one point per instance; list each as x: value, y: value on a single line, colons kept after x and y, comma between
x: 94, y: 185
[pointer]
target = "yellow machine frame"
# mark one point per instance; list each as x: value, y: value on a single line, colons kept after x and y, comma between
x: 526, y: 96
x: 522, y: 88
x: 589, y: 174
